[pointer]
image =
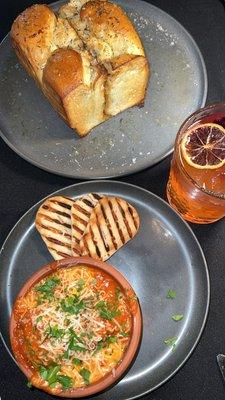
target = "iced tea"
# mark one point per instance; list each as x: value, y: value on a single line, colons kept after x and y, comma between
x: 196, y: 186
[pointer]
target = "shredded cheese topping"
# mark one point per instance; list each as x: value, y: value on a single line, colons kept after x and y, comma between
x: 76, y: 326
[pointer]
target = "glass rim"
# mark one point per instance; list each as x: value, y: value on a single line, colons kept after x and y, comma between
x: 205, y: 191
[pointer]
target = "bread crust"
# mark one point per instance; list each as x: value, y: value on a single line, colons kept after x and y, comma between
x: 107, y: 22
x: 89, y: 60
x: 32, y: 34
x: 64, y: 71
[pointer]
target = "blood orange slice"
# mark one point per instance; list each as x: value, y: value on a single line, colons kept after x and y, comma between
x: 203, y: 146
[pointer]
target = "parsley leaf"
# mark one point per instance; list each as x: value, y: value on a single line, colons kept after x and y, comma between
x: 75, y: 342
x: 38, y: 319
x: 55, y: 332
x: 66, y: 354
x: 105, y: 311
x: 108, y: 314
x: 104, y: 343
x: 100, y: 304
x: 111, y: 339
x: 99, y: 345
x: 65, y: 381
x: 124, y: 334
x: 47, y: 288
x: 177, y: 317
x: 77, y: 361
x: 73, y: 335
x: 171, y: 341
x: 43, y: 372
x: 49, y: 374
x: 171, y: 294
x: 85, y: 373
x: 29, y: 384
x: 117, y: 293
x: 72, y: 305
x: 76, y: 347
x: 80, y: 284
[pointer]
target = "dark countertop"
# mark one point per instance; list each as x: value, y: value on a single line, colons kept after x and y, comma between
x: 22, y: 185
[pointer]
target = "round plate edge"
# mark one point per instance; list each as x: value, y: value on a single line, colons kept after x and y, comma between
x: 135, y: 169
x: 187, y: 227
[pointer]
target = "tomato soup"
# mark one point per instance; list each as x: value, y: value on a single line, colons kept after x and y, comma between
x: 72, y: 328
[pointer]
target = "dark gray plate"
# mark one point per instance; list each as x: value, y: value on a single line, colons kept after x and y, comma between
x: 129, y: 142
x: 164, y: 255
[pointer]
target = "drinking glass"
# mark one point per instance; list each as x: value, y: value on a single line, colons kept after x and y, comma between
x: 197, y: 191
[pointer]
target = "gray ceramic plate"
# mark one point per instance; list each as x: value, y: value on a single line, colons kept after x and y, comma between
x: 164, y: 255
x: 127, y: 143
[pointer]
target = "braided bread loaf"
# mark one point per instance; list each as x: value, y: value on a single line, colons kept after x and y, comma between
x: 88, y: 59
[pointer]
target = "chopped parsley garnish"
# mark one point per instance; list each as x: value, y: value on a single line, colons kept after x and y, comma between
x: 38, y: 319
x: 77, y: 361
x: 85, y: 373
x: 105, y: 311
x: 29, y: 384
x: 55, y: 332
x: 117, y: 293
x: 171, y: 341
x: 76, y: 346
x: 80, y: 284
x: 104, y: 343
x: 99, y: 346
x: 177, y: 317
x: 66, y: 354
x: 51, y: 376
x: 72, y: 305
x: 108, y: 314
x: 74, y: 335
x: 100, y: 304
x: 124, y: 334
x: 75, y: 342
x: 46, y: 290
x: 171, y: 294
x: 65, y: 381
x: 111, y: 339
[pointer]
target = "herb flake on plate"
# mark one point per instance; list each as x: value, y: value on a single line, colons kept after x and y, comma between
x: 171, y: 342
x: 171, y: 294
x: 177, y: 317
x: 29, y: 384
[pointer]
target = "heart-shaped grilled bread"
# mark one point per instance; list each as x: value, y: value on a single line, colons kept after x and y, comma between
x: 93, y: 225
x: 113, y: 222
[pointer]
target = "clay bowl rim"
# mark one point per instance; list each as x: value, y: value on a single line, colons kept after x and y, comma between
x: 110, y: 379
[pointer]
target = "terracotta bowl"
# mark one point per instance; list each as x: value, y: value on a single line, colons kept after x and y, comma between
x: 111, y: 378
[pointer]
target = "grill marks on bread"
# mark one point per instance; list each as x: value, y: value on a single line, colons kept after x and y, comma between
x: 53, y: 222
x: 80, y: 215
x: 112, y: 224
x: 92, y: 225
